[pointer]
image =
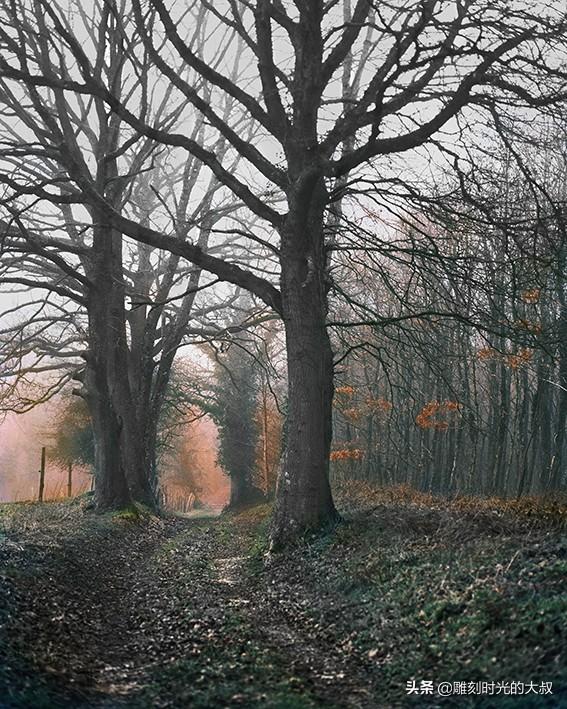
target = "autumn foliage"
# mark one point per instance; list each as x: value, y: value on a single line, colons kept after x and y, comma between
x: 355, y: 407
x: 347, y: 454
x: 513, y: 360
x: 438, y: 415
x: 531, y: 295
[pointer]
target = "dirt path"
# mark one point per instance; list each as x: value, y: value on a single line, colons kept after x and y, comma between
x: 185, y: 612
x: 167, y: 613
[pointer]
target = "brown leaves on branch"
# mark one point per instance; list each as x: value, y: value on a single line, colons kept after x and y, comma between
x: 352, y: 410
x: 438, y: 416
x: 531, y: 295
x: 512, y: 360
x: 346, y: 454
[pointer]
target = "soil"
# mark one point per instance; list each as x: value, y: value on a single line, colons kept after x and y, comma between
x: 121, y: 611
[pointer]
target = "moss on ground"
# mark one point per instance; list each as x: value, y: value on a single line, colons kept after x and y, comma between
x: 170, y: 613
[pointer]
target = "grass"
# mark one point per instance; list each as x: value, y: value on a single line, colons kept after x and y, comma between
x: 466, y: 590
x: 407, y: 587
x: 462, y: 591
x: 239, y: 675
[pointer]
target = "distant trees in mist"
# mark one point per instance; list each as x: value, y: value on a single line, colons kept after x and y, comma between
x: 367, y: 173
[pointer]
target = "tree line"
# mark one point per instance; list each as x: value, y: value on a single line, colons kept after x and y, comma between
x: 157, y: 164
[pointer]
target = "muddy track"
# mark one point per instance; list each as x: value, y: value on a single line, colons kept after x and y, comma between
x: 71, y: 626
x: 179, y: 613
x: 157, y: 614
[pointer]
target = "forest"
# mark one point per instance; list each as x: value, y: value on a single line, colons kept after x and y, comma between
x: 283, y: 353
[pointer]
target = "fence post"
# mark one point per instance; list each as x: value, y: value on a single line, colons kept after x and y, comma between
x: 42, y: 475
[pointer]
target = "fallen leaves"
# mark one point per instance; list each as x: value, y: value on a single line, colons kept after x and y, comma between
x: 178, y: 612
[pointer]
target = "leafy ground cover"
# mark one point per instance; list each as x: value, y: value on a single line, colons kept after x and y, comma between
x: 134, y: 611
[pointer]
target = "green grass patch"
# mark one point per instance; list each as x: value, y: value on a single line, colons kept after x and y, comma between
x: 483, y: 610
x: 234, y: 674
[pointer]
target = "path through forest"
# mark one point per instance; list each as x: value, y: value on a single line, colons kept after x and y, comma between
x: 181, y: 612
x: 160, y: 613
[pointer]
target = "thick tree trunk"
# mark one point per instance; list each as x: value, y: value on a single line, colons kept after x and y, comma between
x: 137, y: 458
x: 111, y: 487
x: 303, y: 493
x: 121, y: 476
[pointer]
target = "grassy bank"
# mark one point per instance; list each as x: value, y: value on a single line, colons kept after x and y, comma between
x: 193, y: 612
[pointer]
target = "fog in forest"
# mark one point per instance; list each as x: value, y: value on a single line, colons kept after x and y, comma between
x: 283, y: 354
x: 190, y: 471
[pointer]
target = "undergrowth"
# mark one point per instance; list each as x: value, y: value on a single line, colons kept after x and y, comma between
x: 409, y: 587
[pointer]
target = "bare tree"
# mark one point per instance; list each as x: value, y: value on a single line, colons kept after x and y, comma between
x: 412, y: 76
x: 109, y: 313
x: 450, y: 378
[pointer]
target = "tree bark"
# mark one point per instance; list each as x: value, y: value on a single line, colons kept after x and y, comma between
x: 69, y: 479
x: 303, y: 492
x: 111, y: 487
x: 557, y: 471
x: 120, y: 471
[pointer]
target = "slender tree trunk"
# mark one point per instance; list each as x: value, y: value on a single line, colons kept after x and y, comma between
x: 523, y: 437
x: 69, y: 479
x: 265, y: 434
x: 502, y: 417
x: 558, y: 467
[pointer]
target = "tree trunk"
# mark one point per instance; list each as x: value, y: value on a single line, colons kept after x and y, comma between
x: 243, y: 493
x: 69, y: 479
x: 119, y: 457
x: 111, y: 488
x: 265, y: 434
x: 557, y: 470
x: 303, y: 492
